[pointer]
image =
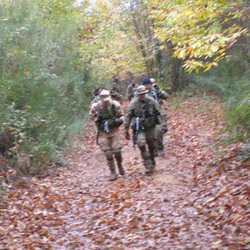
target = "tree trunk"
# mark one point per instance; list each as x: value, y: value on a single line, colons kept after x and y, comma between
x: 139, y: 38
x: 177, y: 74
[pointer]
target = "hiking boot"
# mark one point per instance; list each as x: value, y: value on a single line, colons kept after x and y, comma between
x: 156, y: 153
x: 113, y: 176
x: 118, y: 157
x: 149, y: 171
x: 120, y: 168
x: 150, y: 167
x: 153, y: 163
x: 162, y: 154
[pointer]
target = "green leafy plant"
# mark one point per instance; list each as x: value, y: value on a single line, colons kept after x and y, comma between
x: 45, y: 87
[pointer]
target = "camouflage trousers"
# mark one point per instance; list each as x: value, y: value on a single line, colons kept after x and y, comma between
x: 146, y: 143
x: 159, y: 137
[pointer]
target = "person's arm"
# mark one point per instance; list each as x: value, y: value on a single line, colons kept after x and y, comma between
x: 157, y: 109
x: 128, y: 118
x: 162, y: 117
x: 93, y: 111
x: 162, y: 94
x: 128, y: 92
x: 119, y: 111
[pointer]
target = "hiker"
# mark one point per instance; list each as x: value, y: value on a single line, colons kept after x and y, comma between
x: 130, y: 94
x: 115, y: 85
x: 96, y: 97
x: 143, y: 115
x: 96, y: 91
x: 116, y: 96
x: 158, y: 95
x: 108, y: 116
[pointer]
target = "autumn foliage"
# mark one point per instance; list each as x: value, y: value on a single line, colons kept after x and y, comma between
x: 197, y: 199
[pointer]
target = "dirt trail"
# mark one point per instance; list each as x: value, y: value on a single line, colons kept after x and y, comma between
x: 81, y: 209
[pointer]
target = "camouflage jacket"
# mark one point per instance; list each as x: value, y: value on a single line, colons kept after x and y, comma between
x: 142, y: 114
x: 131, y: 91
x: 159, y: 95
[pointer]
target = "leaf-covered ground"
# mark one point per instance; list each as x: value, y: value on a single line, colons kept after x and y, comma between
x: 197, y: 199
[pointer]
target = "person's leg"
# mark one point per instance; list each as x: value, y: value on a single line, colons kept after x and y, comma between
x: 105, y: 144
x: 111, y: 164
x: 116, y: 145
x: 150, y: 139
x: 159, y: 140
x: 141, y: 143
x: 118, y: 157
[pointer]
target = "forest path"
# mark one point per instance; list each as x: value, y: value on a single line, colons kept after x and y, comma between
x: 81, y: 209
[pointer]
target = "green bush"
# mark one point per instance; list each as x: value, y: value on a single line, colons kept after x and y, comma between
x: 230, y: 81
x: 44, y: 87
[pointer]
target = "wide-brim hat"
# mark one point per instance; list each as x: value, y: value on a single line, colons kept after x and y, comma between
x: 141, y: 90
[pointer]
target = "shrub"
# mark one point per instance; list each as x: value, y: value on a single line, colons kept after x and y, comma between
x: 230, y: 81
x: 44, y: 86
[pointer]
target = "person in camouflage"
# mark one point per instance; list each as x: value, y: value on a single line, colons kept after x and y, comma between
x: 158, y: 95
x: 116, y: 96
x: 142, y: 114
x: 115, y: 86
x: 108, y: 116
x: 130, y: 94
x: 96, y: 96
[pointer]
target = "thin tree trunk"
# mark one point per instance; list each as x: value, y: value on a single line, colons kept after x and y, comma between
x: 176, y: 67
x: 139, y: 37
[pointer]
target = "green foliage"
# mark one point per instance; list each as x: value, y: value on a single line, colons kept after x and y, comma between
x: 229, y: 79
x: 44, y: 87
x: 175, y: 103
x: 108, y: 42
x: 200, y: 31
x: 231, y: 82
x: 245, y: 152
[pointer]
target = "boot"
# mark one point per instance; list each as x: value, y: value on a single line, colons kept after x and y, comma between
x: 113, y: 175
x: 149, y: 167
x: 120, y: 167
x: 156, y: 153
x: 149, y: 171
x: 152, y: 158
x: 162, y: 153
x: 118, y: 157
x: 153, y: 163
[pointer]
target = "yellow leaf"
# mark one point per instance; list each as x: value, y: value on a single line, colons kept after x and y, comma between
x: 44, y: 159
x: 214, y: 48
x: 196, y: 53
x: 182, y: 54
